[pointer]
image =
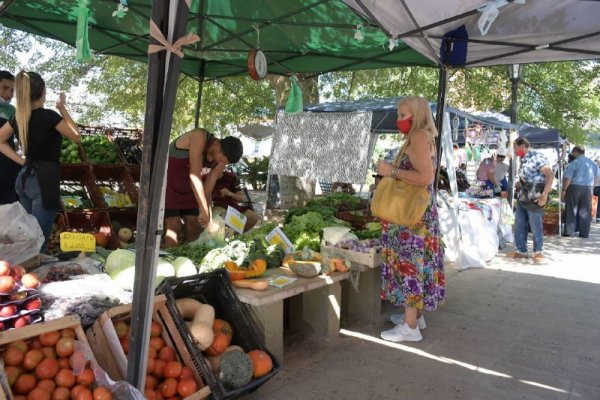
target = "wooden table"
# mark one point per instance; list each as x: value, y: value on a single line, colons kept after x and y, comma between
x: 318, y: 310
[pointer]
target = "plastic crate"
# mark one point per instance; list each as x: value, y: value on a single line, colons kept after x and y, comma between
x: 92, y: 222
x: 117, y: 179
x: 358, y: 219
x: 215, y: 288
x: 60, y: 225
x: 129, y: 144
x: 77, y: 180
x: 550, y: 229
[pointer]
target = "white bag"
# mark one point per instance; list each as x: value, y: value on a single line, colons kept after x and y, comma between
x: 20, y: 234
x: 507, y: 217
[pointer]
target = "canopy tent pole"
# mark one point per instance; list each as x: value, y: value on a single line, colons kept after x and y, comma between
x: 439, y: 119
x: 514, y: 79
x: 199, y: 98
x: 163, y: 74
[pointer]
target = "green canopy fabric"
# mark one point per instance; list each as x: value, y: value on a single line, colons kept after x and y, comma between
x: 297, y: 36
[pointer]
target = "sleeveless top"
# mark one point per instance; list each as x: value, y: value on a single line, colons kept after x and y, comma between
x: 179, y: 194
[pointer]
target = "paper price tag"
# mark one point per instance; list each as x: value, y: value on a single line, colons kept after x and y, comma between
x: 276, y: 236
x: 235, y: 219
x: 70, y: 241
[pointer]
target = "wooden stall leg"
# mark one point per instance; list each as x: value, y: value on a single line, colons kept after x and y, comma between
x: 271, y: 318
x: 364, y: 305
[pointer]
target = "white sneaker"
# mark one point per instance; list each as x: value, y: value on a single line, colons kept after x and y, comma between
x: 398, y: 319
x: 402, y: 333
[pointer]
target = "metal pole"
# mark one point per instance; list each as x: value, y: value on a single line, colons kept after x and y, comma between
x: 163, y: 75
x: 439, y: 119
x: 513, y: 120
x: 199, y: 98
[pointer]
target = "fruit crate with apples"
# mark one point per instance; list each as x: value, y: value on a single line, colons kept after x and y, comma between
x: 20, y: 303
x: 110, y: 334
x: 214, y: 288
x: 24, y: 346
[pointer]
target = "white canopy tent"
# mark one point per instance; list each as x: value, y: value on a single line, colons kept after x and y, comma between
x: 479, y: 33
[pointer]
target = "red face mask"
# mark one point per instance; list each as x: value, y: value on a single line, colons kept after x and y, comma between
x: 404, y: 125
x: 520, y: 153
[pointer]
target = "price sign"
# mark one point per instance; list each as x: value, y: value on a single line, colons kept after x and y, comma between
x: 235, y: 219
x: 276, y: 236
x: 70, y: 241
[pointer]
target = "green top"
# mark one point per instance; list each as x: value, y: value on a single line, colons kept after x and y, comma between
x: 7, y: 111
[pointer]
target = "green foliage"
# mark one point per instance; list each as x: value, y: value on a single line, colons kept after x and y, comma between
x: 256, y: 173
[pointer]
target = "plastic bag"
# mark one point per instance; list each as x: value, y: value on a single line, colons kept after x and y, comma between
x: 335, y: 234
x: 217, y: 237
x: 120, y: 390
x: 21, y: 236
x: 507, y: 217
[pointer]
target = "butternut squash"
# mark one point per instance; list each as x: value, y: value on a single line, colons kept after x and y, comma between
x: 248, y: 284
x: 203, y: 334
x: 205, y: 314
x: 187, y: 307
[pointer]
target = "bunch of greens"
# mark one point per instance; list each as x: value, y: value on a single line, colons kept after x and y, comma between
x: 194, y: 251
x: 305, y: 230
x: 372, y: 231
x: 338, y: 201
x: 326, y: 211
x: 258, y: 233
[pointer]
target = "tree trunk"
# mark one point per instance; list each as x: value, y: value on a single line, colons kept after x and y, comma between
x: 293, y: 191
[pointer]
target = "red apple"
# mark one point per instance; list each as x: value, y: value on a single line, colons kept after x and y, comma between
x: 8, y: 311
x: 22, y: 321
x: 17, y: 271
x: 7, y: 284
x: 33, y: 304
x: 4, y: 268
x: 30, y: 281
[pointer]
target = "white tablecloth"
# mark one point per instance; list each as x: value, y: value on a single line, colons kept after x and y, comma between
x: 479, y: 221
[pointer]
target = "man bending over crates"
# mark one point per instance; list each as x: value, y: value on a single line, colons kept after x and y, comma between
x: 186, y: 207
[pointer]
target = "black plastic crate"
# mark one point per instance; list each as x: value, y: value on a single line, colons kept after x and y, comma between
x: 215, y: 288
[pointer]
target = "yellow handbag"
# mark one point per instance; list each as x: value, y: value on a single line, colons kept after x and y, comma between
x: 399, y: 202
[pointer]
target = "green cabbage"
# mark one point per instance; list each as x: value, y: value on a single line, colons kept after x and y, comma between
x: 120, y: 266
x: 184, y: 267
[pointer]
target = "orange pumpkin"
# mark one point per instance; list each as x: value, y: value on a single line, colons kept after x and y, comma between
x: 261, y: 363
x: 257, y: 268
x: 231, y: 266
x: 223, y: 334
x: 237, y: 275
x: 101, y: 239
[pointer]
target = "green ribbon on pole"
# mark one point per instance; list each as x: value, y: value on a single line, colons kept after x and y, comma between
x: 294, y: 104
x: 82, y: 40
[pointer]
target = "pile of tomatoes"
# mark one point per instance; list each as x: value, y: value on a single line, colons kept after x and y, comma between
x: 42, y: 369
x: 166, y: 377
x: 19, y: 300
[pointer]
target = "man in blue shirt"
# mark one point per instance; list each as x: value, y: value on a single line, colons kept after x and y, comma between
x: 578, y: 184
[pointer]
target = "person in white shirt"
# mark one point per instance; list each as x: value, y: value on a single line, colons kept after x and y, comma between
x: 497, y: 177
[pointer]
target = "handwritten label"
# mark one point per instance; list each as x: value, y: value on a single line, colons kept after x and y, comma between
x: 235, y: 219
x: 70, y: 241
x: 276, y: 236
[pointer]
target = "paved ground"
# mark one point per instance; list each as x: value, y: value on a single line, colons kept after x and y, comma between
x: 513, y: 330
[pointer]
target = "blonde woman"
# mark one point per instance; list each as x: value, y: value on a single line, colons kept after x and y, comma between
x: 40, y: 132
x: 412, y: 272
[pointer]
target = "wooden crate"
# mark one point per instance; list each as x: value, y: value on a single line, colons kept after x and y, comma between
x: 105, y: 340
x: 372, y: 259
x: 31, y: 331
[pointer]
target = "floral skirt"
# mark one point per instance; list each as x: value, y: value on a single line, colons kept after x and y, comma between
x: 412, y: 272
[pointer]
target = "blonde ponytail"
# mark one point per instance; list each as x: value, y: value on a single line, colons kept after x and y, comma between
x: 23, y: 89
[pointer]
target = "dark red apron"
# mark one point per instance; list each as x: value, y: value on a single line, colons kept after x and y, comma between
x: 179, y: 194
